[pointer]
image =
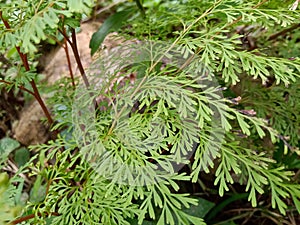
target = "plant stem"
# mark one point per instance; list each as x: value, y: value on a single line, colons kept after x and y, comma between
x: 284, y: 32
x: 77, y: 58
x: 20, y: 86
x: 35, y: 92
x: 41, y: 102
x: 34, y: 87
x: 74, y: 47
x: 65, y: 46
x: 28, y: 217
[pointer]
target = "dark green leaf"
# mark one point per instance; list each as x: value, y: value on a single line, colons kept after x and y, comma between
x: 112, y: 23
x: 201, y: 209
x: 21, y: 156
x: 140, y: 6
x: 38, y: 191
x: 214, y: 212
x: 145, y: 222
x: 74, y: 23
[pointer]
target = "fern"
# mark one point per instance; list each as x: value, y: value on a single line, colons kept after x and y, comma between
x: 151, y: 106
x: 32, y: 24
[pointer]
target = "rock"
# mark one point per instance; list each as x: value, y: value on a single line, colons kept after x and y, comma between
x: 29, y: 129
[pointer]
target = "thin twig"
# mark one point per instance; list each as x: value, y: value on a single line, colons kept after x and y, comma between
x: 11, y: 167
x: 65, y: 46
x: 28, y: 217
x: 73, y: 45
x: 77, y: 58
x: 65, y: 36
x: 20, y: 86
x: 283, y: 32
x: 74, y: 48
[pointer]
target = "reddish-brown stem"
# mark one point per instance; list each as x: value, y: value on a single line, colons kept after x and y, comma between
x: 35, y: 92
x: 41, y: 102
x: 28, y: 217
x: 20, y: 86
x: 77, y: 58
x: 6, y: 24
x: 22, y: 219
x: 65, y: 36
x: 65, y: 46
x: 73, y: 45
x: 284, y: 32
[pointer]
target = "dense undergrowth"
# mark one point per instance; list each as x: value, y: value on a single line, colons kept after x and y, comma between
x: 192, y: 119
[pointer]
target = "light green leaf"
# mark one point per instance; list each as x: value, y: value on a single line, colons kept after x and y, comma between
x: 7, y: 145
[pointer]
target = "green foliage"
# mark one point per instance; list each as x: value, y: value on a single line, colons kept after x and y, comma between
x: 278, y: 103
x: 21, y: 156
x: 34, y: 22
x: 119, y: 163
x: 9, y: 199
x: 113, y: 23
x: 7, y: 145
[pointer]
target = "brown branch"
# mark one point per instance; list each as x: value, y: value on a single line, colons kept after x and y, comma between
x: 28, y: 217
x: 283, y: 32
x: 20, y: 86
x: 69, y: 64
x: 22, y: 219
x: 73, y: 45
x: 41, y: 102
x: 65, y: 36
x: 6, y: 24
x: 65, y: 46
x: 77, y: 58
